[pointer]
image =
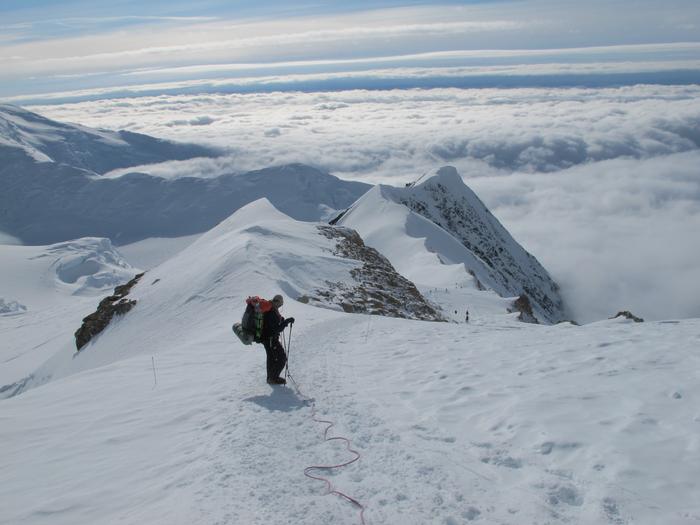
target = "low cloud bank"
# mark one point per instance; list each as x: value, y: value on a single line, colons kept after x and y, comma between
x: 617, y: 235
x: 378, y: 135
x: 602, y: 185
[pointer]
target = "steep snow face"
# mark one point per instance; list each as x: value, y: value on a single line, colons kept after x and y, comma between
x: 439, y: 230
x: 257, y: 251
x: 98, y: 151
x: 45, y: 292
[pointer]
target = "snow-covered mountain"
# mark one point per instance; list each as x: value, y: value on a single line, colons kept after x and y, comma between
x: 165, y: 417
x: 26, y: 135
x: 438, y: 234
x: 52, y: 190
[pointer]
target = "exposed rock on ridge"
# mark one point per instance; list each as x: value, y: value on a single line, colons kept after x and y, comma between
x: 628, y: 315
x: 380, y: 289
x: 115, y: 304
x: 522, y: 305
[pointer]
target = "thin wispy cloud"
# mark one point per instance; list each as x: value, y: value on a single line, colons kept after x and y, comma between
x: 177, y: 44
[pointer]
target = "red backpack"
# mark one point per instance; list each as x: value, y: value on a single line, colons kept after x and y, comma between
x: 252, y: 322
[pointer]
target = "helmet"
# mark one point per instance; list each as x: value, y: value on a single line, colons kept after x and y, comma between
x: 278, y: 300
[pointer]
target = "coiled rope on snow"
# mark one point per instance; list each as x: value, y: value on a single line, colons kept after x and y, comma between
x: 329, y: 424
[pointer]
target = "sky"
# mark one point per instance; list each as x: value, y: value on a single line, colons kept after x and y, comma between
x: 73, y: 50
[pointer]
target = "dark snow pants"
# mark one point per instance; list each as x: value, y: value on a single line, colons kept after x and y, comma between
x: 276, y: 358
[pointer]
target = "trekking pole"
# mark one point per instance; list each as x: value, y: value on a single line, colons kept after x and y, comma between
x: 289, y: 347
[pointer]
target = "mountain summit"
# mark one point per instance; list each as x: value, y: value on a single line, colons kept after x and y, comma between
x: 447, y: 234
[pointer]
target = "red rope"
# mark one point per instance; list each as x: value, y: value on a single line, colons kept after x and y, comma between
x: 329, y: 424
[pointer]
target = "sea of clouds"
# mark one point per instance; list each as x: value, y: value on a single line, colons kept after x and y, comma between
x: 601, y: 185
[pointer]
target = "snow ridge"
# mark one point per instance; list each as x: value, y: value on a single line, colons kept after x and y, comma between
x: 468, y: 235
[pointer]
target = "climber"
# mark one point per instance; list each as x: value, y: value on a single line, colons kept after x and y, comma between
x: 273, y: 325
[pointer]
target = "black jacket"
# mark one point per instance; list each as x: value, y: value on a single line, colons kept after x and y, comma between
x: 273, y: 324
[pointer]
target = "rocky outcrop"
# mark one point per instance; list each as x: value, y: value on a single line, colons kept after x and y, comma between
x: 115, y: 304
x: 11, y: 307
x: 628, y: 315
x: 522, y: 304
x: 379, y: 288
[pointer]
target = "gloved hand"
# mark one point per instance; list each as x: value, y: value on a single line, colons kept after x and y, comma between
x: 288, y: 321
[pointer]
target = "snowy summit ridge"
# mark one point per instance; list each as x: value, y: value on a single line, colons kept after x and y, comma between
x: 444, y: 217
x: 256, y: 251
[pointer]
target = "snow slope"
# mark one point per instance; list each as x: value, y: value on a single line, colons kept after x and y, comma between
x: 166, y: 418
x: 438, y: 233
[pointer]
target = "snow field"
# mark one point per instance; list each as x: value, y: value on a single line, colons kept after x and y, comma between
x: 455, y: 423
x: 506, y: 424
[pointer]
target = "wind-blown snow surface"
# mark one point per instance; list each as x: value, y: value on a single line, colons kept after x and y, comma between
x: 494, y: 421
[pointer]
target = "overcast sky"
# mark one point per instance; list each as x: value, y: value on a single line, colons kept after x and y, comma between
x: 99, y: 49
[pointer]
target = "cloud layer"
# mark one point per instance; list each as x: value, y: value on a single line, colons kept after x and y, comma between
x: 88, y: 50
x: 602, y: 185
x: 379, y: 135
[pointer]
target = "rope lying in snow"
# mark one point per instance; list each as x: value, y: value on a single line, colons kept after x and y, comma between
x: 329, y: 424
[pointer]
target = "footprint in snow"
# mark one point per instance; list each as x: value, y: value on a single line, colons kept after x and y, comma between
x: 566, y: 494
x: 501, y: 459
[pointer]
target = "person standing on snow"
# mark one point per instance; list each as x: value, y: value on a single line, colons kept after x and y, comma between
x: 273, y: 325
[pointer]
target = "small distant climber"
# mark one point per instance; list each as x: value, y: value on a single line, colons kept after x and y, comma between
x: 273, y: 325
x: 466, y: 316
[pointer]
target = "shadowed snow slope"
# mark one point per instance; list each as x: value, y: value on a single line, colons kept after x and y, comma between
x: 166, y: 416
x: 439, y: 233
x: 51, y: 190
x: 97, y: 151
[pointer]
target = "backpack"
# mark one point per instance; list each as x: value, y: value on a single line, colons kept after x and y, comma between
x: 249, y: 330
